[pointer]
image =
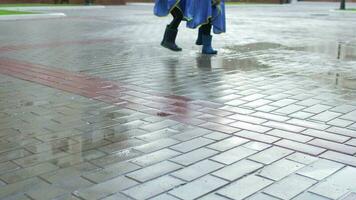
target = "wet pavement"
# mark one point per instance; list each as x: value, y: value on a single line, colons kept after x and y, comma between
x: 93, y: 108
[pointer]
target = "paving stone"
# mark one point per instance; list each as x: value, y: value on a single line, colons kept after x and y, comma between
x: 340, y: 122
x: 339, y: 157
x: 191, y: 144
x: 219, y: 127
x: 213, y: 196
x: 302, y: 158
x: 320, y: 169
x: 201, y: 187
x: 350, y: 196
x: 12, y: 155
x: 158, y: 125
x: 261, y: 196
x: 153, y: 171
x: 105, y: 189
x: 238, y: 170
x: 338, y: 184
x: 289, y: 109
x: 197, y: 170
x: 270, y: 116
x: 7, y: 167
x: 228, y: 143
x: 342, y: 131
x: 153, y: 188
x: 190, y: 134
x: 21, y: 187
x: 270, y: 155
x: 153, y: 136
x: 351, y: 142
x: 343, y: 108
x: 289, y: 187
x: 249, y: 185
x: 233, y: 155
x: 301, y: 115
x: 304, y: 148
x: 317, y: 108
x: 266, y: 108
x: 110, y: 171
x: 250, y: 127
x: 283, y: 102
x: 164, y: 197
x: 194, y: 156
x: 283, y: 126
x: 280, y: 169
x: 246, y: 118
x: 289, y: 135
x: 155, y: 157
x: 118, y: 146
x: 349, y: 116
x: 325, y: 135
x: 308, y: 124
x: 47, y: 192
x: 334, y: 146
x: 235, y: 102
x: 257, y: 136
x: 39, y: 158
x: 325, y: 116
x: 257, y: 146
x: 308, y: 196
x: 116, y: 197
x: 216, y: 136
x: 156, y: 145
x: 239, y: 110
x: 253, y: 97
x: 29, y: 172
x: 120, y: 156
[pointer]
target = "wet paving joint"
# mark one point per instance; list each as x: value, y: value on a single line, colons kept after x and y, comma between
x: 101, y: 112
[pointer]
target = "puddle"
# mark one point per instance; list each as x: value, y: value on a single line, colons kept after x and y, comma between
x: 246, y: 64
x: 259, y: 46
x: 336, y: 50
x: 340, y: 80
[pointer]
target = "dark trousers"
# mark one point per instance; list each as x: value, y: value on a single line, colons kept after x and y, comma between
x: 177, y: 18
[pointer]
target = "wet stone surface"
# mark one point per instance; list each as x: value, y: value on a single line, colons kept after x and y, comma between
x: 91, y: 107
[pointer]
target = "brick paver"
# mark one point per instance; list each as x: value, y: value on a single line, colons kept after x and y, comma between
x: 99, y: 110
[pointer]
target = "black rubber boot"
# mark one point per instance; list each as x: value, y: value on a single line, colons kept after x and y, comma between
x: 169, y: 39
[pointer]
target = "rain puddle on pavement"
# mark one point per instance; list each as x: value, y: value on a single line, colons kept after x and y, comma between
x: 259, y: 46
x: 335, y: 50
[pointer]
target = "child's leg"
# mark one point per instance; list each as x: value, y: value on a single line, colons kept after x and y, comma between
x: 206, y: 38
x: 169, y: 39
x: 205, y: 29
x: 177, y: 18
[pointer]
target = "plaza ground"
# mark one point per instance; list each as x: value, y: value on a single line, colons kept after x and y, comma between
x: 91, y: 107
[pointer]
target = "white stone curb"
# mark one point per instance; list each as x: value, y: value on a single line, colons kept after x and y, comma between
x: 344, y: 11
x: 32, y: 16
x: 35, y: 8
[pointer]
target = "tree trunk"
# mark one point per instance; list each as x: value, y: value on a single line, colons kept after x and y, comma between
x: 342, y: 5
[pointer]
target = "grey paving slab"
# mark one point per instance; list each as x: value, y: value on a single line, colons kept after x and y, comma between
x: 249, y: 185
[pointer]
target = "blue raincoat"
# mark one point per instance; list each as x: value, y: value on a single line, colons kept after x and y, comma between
x: 195, y: 12
x: 162, y: 8
x: 203, y: 11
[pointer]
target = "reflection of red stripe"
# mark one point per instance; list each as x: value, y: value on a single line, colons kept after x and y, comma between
x: 52, y: 44
x: 97, y: 88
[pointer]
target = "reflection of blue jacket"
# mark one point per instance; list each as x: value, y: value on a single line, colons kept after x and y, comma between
x: 196, y: 12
